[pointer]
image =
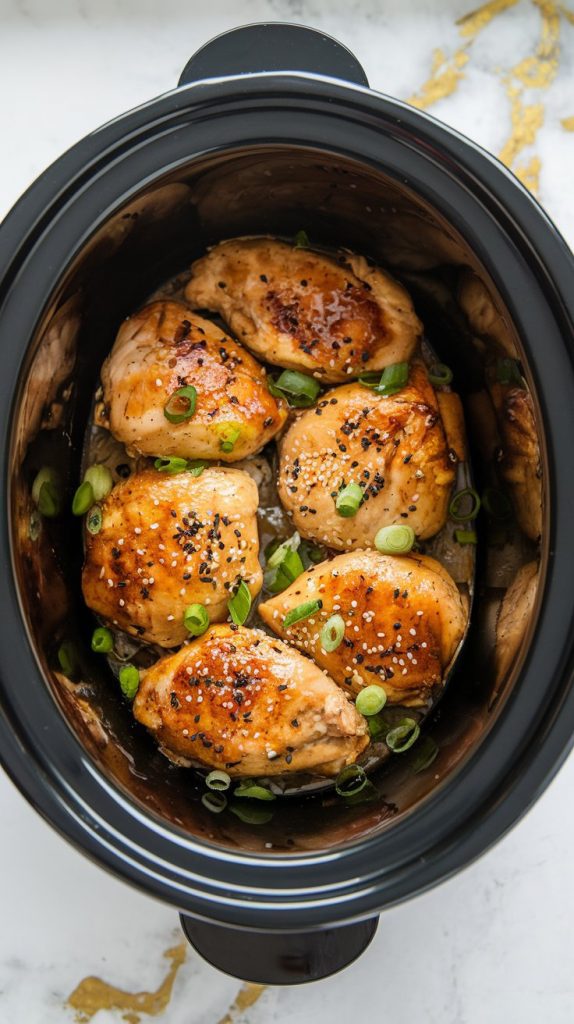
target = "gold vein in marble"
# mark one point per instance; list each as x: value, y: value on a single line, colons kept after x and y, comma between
x: 472, y: 23
x: 444, y: 78
x: 568, y: 124
x: 93, y: 994
x: 246, y: 997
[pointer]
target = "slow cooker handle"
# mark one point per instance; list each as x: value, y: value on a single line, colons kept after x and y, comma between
x: 279, y: 958
x: 273, y: 46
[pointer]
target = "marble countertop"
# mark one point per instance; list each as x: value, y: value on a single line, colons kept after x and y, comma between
x: 492, y: 945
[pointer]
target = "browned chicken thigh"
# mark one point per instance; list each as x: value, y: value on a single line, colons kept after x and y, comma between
x: 304, y: 310
x: 519, y: 461
x: 394, y: 448
x: 404, y: 619
x: 164, y: 348
x: 239, y: 700
x: 169, y: 541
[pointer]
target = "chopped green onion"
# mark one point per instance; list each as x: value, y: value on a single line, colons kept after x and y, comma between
x: 508, y: 372
x: 301, y: 240
x: 301, y: 611
x: 395, y: 539
x: 402, y: 736
x: 240, y: 604
x: 251, y: 814
x: 496, y: 503
x: 423, y: 755
x: 311, y: 554
x: 378, y: 727
x: 196, y: 466
x: 276, y: 550
x: 348, y: 500
x: 252, y: 791
x: 392, y: 380
x: 332, y: 633
x: 83, y: 499
x: 439, y: 374
x: 102, y: 640
x: 67, y: 658
x: 457, y: 505
x: 180, y: 405
x: 173, y: 464
x: 465, y: 536
x: 196, y: 619
x: 228, y: 435
x: 218, y: 780
x: 94, y: 519
x: 129, y: 681
x: 46, y: 492
x: 366, y: 795
x: 371, y: 700
x: 350, y: 781
x: 214, y: 802
x: 101, y: 479
x: 283, y: 566
x: 299, y: 389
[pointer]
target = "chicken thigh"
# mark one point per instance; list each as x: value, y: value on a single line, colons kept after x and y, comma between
x: 304, y: 310
x: 164, y: 348
x: 403, y: 615
x: 394, y: 448
x: 514, y: 617
x: 239, y: 700
x: 519, y: 460
x: 169, y: 541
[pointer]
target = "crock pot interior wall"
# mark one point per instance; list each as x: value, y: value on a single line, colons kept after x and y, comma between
x: 275, y: 191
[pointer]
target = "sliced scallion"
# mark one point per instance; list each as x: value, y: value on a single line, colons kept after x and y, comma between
x: 311, y: 554
x: 350, y: 781
x: 423, y: 755
x: 171, y: 464
x: 299, y: 389
x: 129, y: 681
x: 240, y: 604
x: 371, y: 700
x: 332, y: 633
x: 348, y: 500
x: 67, y: 657
x: 465, y: 536
x: 251, y: 814
x: 378, y: 727
x: 252, y: 791
x: 283, y: 565
x: 218, y: 780
x: 94, y: 519
x: 180, y: 405
x: 496, y: 503
x: 46, y: 492
x: 508, y: 372
x: 465, y: 505
x: 214, y: 802
x: 402, y: 736
x: 440, y: 374
x: 196, y: 466
x: 229, y: 434
x: 302, y: 611
x: 196, y: 619
x: 83, y: 499
x: 102, y: 640
x: 389, y: 382
x: 301, y: 240
x: 395, y: 539
x: 101, y: 479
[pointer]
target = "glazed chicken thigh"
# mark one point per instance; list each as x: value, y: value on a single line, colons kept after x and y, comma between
x: 519, y: 461
x: 169, y: 541
x: 239, y: 700
x: 404, y: 619
x: 304, y: 310
x: 164, y: 348
x: 394, y: 448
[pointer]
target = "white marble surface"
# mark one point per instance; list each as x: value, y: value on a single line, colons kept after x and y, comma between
x: 492, y: 945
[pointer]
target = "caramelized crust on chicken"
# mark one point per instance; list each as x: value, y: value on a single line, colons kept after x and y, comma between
x: 520, y: 463
x: 394, y: 448
x: 168, y: 541
x: 304, y: 310
x: 165, y: 347
x: 514, y: 617
x: 404, y: 619
x: 239, y: 700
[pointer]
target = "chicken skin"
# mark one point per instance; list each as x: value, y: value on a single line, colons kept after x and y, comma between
x: 404, y: 619
x: 166, y: 347
x: 239, y: 700
x: 394, y: 448
x: 304, y: 310
x: 169, y: 541
x: 520, y: 464
x: 514, y: 617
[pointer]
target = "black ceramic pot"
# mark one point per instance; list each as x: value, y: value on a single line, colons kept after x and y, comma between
x: 273, y: 129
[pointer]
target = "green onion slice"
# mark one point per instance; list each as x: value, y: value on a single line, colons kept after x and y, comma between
x: 423, y: 755
x: 457, y: 508
x: 83, y: 499
x: 46, y: 492
x: 101, y: 480
x: 196, y: 619
x: 465, y: 536
x: 180, y: 405
x: 496, y: 503
x: 228, y: 436
x: 171, y: 464
x: 94, y: 519
x: 251, y: 814
x: 378, y: 727
x: 389, y: 382
x: 218, y: 780
x: 367, y: 795
x: 284, y: 565
x: 440, y: 374
x: 402, y: 736
x: 395, y: 539
x: 508, y: 372
x: 240, y: 604
x: 214, y: 802
x: 332, y: 633
x: 196, y: 466
x: 129, y: 681
x: 348, y: 500
x: 371, y: 700
x: 311, y: 554
x: 350, y: 781
x: 301, y: 611
x: 102, y: 640
x: 252, y: 791
x: 301, y: 240
x: 67, y: 658
x: 300, y: 390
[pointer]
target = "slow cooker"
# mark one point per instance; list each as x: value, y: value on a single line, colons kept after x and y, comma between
x: 272, y: 129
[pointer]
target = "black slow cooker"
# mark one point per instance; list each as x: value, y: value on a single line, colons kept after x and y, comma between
x: 273, y: 129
